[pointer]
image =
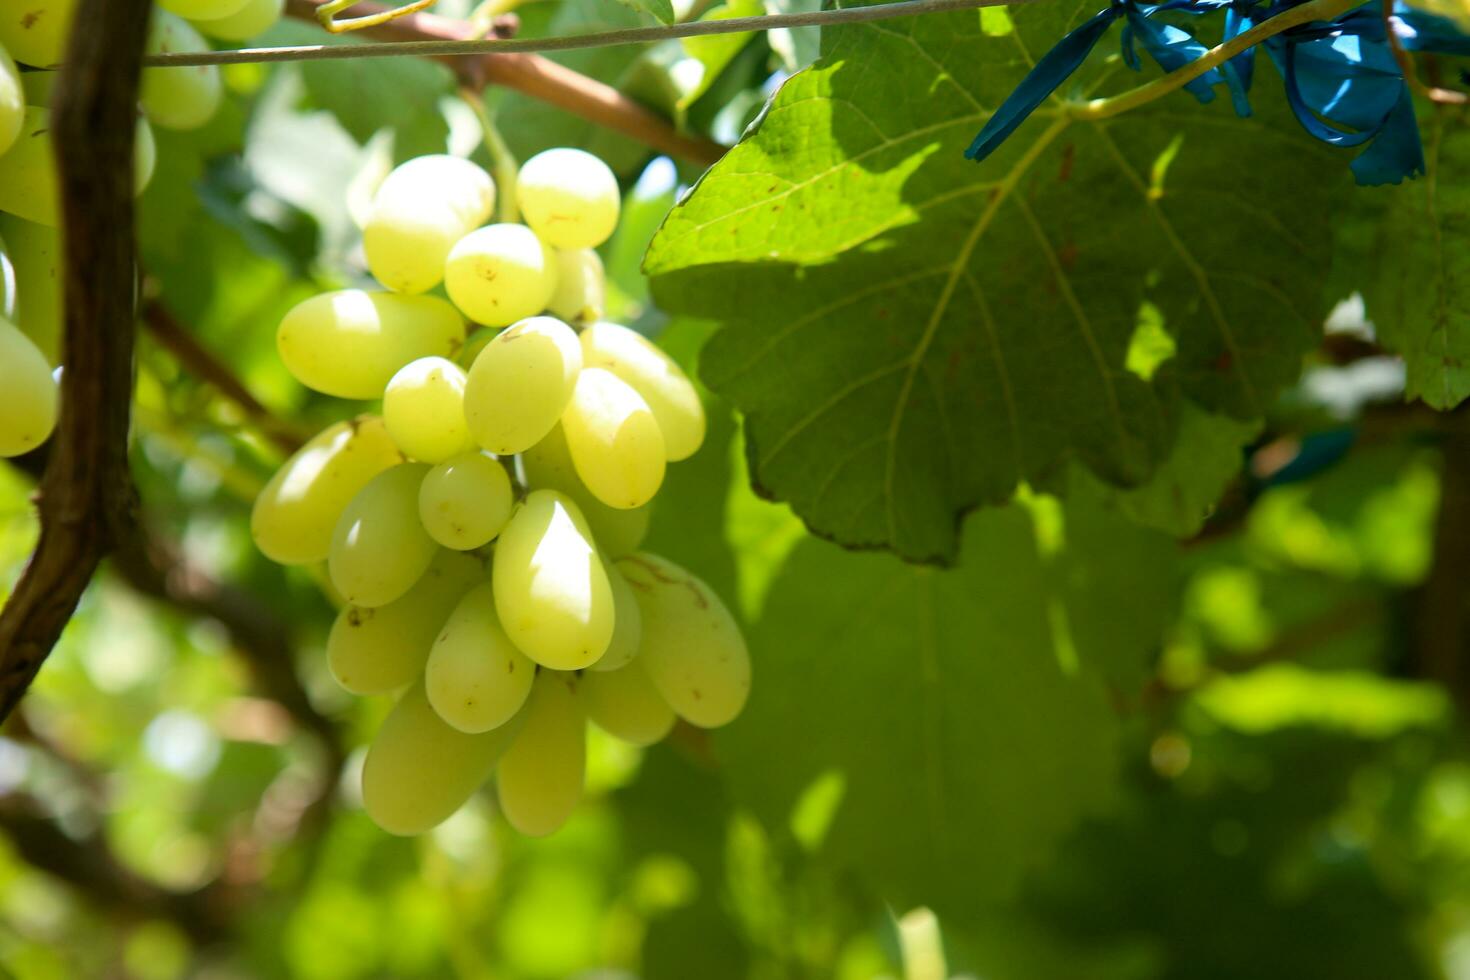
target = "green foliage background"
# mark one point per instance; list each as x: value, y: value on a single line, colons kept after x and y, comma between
x: 1166, y: 705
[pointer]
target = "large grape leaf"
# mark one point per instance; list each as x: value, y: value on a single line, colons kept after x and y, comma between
x: 963, y: 713
x: 1415, y: 277
x: 910, y: 335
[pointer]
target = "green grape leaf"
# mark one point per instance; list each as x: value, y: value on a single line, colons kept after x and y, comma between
x: 660, y: 10
x: 1416, y: 276
x: 1113, y: 622
x: 910, y: 335
x: 368, y: 95
x: 958, y: 732
x: 1207, y: 456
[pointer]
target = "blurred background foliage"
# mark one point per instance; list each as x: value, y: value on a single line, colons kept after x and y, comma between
x: 1089, y: 751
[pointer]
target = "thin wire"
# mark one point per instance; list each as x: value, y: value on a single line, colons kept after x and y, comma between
x: 632, y: 35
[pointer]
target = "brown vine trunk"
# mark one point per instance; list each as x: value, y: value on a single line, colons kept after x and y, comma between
x: 86, y: 497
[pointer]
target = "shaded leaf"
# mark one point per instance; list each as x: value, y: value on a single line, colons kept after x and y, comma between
x: 1416, y: 283
x: 940, y: 700
x: 1207, y: 456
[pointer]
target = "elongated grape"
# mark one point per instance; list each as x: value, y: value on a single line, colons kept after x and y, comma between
x: 379, y: 548
x: 614, y: 440
x: 420, y: 211
x: 500, y: 274
x: 39, y: 87
x: 419, y: 770
x: 145, y: 156
x: 34, y: 31
x: 478, y: 340
x: 28, y: 171
x: 376, y: 651
x: 653, y: 374
x: 476, y: 678
x: 627, y: 624
x: 256, y: 17
x: 35, y: 254
x: 551, y: 590
x: 521, y: 383
x: 178, y: 98
x: 625, y: 704
x: 28, y: 402
x: 423, y: 407
x: 581, y: 286
x: 692, y: 647
x: 202, y: 9
x: 549, y: 466
x: 294, y: 515
x: 569, y: 197
x: 349, y: 343
x: 466, y: 501
x: 12, y: 101
x: 542, y: 773
x: 7, y: 283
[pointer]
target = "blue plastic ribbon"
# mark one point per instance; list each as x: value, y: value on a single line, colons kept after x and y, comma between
x: 1346, y: 89
x: 1342, y: 82
x: 1054, y: 68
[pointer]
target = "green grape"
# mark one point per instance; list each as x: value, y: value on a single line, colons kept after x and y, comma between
x: 521, y: 383
x: 479, y: 339
x: 178, y: 98
x: 349, y: 343
x: 625, y: 704
x: 653, y: 374
x: 476, y: 679
x: 35, y: 31
x: 627, y: 624
x: 294, y: 515
x: 35, y: 253
x: 28, y: 407
x: 7, y: 283
x: 581, y: 286
x: 420, y: 211
x: 12, y: 101
x: 569, y: 197
x: 28, y: 171
x: 423, y: 407
x: 614, y: 440
x: 379, y: 548
x: 692, y: 647
x: 145, y: 156
x: 551, y: 590
x: 419, y: 770
x: 256, y: 17
x: 466, y: 501
x: 542, y: 773
x: 500, y: 274
x: 549, y: 466
x: 39, y: 87
x: 202, y: 9
x: 377, y: 651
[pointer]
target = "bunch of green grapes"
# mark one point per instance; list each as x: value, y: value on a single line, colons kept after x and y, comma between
x: 484, y: 530
x: 34, y: 33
